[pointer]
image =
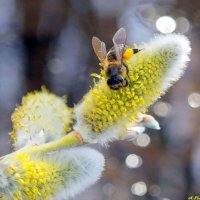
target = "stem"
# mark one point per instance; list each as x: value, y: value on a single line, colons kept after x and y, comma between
x: 72, y: 139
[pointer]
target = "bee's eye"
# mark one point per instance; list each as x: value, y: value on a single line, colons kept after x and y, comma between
x: 128, y: 53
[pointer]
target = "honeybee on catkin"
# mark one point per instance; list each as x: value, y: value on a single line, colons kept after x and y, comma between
x: 113, y: 62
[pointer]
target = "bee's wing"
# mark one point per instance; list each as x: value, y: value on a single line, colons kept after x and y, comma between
x: 119, y: 41
x: 99, y: 48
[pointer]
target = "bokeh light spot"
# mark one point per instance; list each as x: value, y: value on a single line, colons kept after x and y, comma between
x: 166, y: 24
x: 162, y: 109
x: 194, y: 100
x: 139, y: 188
x: 133, y: 161
x: 154, y: 190
x: 143, y: 140
x: 182, y: 25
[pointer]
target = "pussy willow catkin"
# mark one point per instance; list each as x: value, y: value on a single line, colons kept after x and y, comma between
x: 42, y: 117
x: 50, y: 176
x: 103, y: 113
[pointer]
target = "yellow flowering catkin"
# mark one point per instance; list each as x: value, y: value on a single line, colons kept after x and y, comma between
x: 53, y: 176
x: 42, y: 116
x: 103, y: 112
x: 35, y: 179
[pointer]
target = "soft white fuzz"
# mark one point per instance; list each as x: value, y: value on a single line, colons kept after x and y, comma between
x: 90, y: 164
x: 179, y: 46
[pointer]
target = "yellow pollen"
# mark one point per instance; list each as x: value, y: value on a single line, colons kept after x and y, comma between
x: 128, y: 54
x: 36, y: 179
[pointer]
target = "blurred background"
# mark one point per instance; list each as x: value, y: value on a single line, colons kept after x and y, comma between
x: 49, y: 42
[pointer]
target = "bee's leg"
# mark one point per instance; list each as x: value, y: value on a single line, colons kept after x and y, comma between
x: 126, y: 66
x: 126, y: 83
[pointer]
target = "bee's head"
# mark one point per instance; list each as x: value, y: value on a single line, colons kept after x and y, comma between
x: 115, y: 82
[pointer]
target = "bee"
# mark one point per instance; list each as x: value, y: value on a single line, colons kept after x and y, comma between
x: 116, y: 70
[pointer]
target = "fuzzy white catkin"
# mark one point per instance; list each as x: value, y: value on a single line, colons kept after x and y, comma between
x: 41, y: 118
x: 172, y: 54
x: 74, y: 170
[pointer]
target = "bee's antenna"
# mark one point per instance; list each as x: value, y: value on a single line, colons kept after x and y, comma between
x: 136, y: 50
